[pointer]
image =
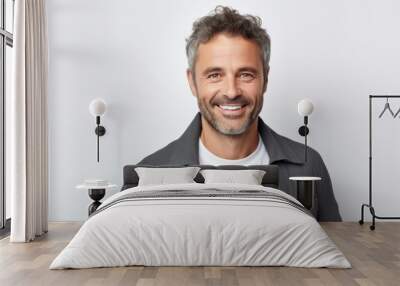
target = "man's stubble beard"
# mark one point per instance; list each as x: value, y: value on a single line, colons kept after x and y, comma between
x: 212, y: 120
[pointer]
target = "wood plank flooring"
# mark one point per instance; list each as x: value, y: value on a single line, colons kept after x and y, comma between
x: 374, y: 255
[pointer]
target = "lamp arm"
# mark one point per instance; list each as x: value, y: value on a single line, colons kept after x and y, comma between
x: 305, y: 137
x: 305, y: 148
x: 98, y: 124
x: 99, y: 131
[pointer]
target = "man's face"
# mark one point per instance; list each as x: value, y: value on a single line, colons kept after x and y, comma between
x: 228, y: 82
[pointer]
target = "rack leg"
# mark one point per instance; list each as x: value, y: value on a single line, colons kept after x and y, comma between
x: 361, y: 221
x: 372, y: 210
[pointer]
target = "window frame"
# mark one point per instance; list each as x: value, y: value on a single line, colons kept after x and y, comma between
x: 6, y: 39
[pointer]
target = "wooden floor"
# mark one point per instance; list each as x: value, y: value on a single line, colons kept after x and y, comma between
x: 374, y: 255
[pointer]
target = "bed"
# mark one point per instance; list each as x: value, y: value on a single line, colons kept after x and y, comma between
x: 201, y: 224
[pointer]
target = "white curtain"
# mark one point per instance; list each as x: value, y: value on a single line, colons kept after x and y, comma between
x: 27, y: 123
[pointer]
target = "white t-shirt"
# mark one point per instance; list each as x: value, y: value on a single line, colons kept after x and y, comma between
x: 258, y: 157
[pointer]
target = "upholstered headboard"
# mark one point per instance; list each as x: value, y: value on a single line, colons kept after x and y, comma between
x: 270, y: 179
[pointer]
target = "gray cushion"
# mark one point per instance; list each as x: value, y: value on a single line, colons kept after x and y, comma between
x: 162, y: 175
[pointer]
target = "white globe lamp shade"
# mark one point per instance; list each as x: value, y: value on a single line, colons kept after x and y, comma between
x: 305, y: 107
x: 97, y: 107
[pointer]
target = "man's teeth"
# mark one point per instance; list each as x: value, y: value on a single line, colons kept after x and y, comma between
x: 230, y: 107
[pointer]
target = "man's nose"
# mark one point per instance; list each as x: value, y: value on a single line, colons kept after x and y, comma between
x: 232, y: 88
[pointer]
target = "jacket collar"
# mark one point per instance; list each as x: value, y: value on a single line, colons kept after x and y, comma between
x: 278, y: 147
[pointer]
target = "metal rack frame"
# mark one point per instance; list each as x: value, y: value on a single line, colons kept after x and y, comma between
x: 370, y: 205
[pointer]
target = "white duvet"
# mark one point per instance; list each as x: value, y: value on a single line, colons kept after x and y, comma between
x: 200, y: 231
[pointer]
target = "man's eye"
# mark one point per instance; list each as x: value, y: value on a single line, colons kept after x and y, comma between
x: 213, y: 76
x: 247, y: 75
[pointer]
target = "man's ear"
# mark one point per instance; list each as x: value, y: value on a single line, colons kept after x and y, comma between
x: 266, y: 80
x: 191, y: 80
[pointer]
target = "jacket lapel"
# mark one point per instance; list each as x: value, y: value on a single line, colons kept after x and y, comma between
x: 187, y: 146
x: 280, y: 148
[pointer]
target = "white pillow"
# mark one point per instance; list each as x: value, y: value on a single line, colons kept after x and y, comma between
x: 249, y: 177
x: 162, y: 176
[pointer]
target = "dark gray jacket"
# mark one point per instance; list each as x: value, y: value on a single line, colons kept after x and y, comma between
x: 282, y: 151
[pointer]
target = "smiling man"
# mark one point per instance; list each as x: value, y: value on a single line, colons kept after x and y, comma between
x: 228, y: 56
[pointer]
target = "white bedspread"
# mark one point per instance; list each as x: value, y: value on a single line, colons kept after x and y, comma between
x: 200, y: 231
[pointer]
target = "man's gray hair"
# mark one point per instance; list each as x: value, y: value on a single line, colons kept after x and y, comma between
x: 227, y: 20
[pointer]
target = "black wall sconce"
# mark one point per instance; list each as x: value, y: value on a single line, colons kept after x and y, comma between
x: 97, y: 108
x: 305, y: 108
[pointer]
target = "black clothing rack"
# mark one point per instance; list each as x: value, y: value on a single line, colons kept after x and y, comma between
x: 370, y: 205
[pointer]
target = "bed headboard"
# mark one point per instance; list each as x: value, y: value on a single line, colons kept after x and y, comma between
x: 270, y: 179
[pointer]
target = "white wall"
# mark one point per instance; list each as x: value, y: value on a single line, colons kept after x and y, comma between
x: 132, y: 54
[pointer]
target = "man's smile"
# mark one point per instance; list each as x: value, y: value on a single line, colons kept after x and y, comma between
x: 232, y: 110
